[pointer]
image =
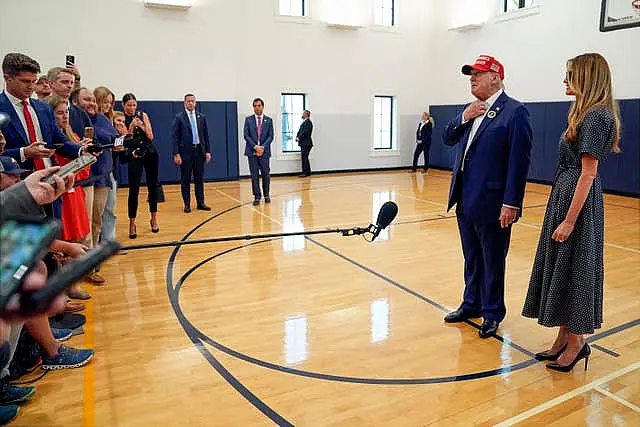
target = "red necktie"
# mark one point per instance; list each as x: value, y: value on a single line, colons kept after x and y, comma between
x: 259, y: 128
x: 38, y: 163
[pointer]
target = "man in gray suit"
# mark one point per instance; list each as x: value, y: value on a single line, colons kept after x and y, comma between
x: 258, y: 134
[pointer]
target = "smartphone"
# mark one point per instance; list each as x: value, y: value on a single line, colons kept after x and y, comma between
x: 88, y: 132
x: 38, y: 301
x: 72, y: 168
x: 23, y: 242
x: 69, y: 61
x: 140, y: 115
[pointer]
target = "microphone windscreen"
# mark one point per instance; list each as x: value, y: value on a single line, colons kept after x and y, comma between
x: 4, y: 119
x: 387, y: 213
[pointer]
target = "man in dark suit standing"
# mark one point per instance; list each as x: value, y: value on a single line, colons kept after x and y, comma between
x: 191, y: 149
x: 493, y: 137
x: 305, y: 142
x: 258, y: 135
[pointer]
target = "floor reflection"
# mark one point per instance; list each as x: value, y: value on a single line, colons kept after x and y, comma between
x: 379, y: 320
x: 377, y: 200
x: 296, y: 347
x: 291, y: 222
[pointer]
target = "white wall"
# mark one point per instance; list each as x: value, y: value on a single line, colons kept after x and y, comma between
x: 240, y: 49
x: 533, y: 49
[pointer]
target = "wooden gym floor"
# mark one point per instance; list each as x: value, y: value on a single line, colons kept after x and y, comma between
x: 332, y: 330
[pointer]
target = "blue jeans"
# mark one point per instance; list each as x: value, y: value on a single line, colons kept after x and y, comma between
x: 108, y: 231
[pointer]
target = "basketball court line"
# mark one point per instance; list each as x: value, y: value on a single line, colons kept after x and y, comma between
x: 617, y: 399
x: 569, y: 395
x: 605, y: 350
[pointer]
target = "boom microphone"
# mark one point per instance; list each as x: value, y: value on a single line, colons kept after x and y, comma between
x: 387, y: 213
x: 4, y: 119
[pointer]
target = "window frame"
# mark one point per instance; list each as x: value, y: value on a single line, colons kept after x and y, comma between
x: 393, y: 16
x: 305, y: 9
x: 392, y: 125
x: 292, y: 132
x: 522, y: 4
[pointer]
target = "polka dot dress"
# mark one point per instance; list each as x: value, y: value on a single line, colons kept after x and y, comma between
x: 566, y: 282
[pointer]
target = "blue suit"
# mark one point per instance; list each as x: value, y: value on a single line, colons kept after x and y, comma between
x: 258, y: 163
x: 17, y: 137
x: 193, y: 156
x: 495, y: 173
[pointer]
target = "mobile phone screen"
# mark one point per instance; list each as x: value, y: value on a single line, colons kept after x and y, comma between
x: 69, y: 60
x: 88, y: 132
x: 21, y: 245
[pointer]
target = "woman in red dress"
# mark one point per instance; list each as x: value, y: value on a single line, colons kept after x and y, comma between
x: 75, y: 222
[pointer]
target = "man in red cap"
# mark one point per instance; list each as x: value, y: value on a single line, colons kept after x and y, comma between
x: 493, y: 138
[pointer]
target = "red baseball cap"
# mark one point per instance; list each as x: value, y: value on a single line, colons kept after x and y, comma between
x: 485, y: 63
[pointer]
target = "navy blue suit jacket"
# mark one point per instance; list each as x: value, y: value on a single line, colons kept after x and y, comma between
x: 182, y: 137
x: 251, y: 135
x: 497, y: 163
x: 16, y: 135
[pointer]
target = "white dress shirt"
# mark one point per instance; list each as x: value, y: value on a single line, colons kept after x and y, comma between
x: 195, y: 119
x: 17, y: 105
x: 477, y: 122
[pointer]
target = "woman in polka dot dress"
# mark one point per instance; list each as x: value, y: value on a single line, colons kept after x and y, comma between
x: 566, y: 283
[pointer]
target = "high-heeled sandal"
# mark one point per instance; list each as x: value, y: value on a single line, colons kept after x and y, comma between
x: 153, y: 230
x: 584, y: 353
x: 551, y: 357
x: 134, y: 234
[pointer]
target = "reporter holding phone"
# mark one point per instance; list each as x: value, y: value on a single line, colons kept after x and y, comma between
x: 139, y: 125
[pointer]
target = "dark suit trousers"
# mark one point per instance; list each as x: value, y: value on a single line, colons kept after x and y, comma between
x: 193, y: 165
x: 485, y: 247
x: 304, y: 155
x: 420, y: 148
x: 148, y: 162
x: 259, y: 166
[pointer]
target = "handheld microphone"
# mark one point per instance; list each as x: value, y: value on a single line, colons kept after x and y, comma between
x: 4, y: 119
x: 387, y: 213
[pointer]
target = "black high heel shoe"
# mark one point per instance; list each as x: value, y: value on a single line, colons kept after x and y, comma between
x: 154, y: 230
x: 584, y: 353
x: 551, y: 357
x: 134, y: 234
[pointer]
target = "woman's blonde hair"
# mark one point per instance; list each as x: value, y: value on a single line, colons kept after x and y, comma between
x: 55, y: 100
x: 101, y: 93
x: 589, y: 78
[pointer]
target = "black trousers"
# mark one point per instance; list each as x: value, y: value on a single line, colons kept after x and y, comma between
x: 149, y: 162
x: 416, y: 155
x: 193, y: 165
x: 259, y: 165
x: 304, y: 155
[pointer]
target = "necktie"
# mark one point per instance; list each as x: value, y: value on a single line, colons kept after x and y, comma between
x: 31, y: 130
x: 194, y: 127
x: 259, y: 128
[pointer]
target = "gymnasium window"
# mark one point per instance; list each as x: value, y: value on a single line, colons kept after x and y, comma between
x: 511, y: 5
x: 383, y: 123
x: 385, y: 13
x: 292, y: 106
x: 293, y: 7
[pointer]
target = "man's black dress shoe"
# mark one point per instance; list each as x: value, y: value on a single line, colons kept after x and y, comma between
x: 203, y: 207
x: 460, y: 315
x: 488, y: 328
x: 187, y: 209
x: 267, y: 199
x: 256, y: 202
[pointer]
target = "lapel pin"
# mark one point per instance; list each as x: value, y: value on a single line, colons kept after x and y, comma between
x: 491, y: 114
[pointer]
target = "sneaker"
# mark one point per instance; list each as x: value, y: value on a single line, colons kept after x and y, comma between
x: 10, y: 394
x: 67, y: 321
x: 61, y: 334
x: 77, y: 331
x: 67, y: 358
x: 8, y: 413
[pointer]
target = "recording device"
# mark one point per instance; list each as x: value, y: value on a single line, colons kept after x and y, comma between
x: 72, y: 168
x: 140, y: 115
x: 67, y: 275
x: 24, y: 241
x: 69, y: 61
x: 4, y: 119
x: 387, y: 213
x: 121, y: 143
x: 88, y: 133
